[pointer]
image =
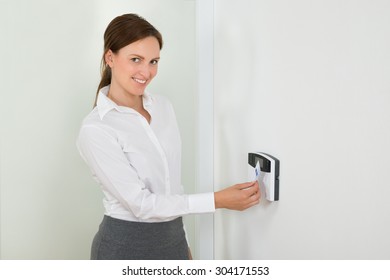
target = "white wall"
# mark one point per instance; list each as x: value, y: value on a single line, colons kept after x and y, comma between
x: 50, y: 207
x: 308, y: 82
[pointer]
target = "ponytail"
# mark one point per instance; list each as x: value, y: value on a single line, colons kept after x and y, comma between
x: 105, y: 79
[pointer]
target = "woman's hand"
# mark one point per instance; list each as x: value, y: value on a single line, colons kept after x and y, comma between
x: 238, y: 197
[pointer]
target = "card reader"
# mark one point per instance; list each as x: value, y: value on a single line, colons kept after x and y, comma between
x: 269, y: 173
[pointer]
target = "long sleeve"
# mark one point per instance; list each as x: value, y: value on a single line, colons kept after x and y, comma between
x: 123, y: 187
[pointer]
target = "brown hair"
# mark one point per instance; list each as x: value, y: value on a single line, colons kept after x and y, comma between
x: 122, y: 31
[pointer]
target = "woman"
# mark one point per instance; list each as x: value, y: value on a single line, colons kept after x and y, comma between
x: 131, y: 142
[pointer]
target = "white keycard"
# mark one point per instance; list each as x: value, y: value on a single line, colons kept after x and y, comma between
x: 254, y: 173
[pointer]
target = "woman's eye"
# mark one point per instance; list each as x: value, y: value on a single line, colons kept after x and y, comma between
x: 154, y: 62
x: 135, y: 59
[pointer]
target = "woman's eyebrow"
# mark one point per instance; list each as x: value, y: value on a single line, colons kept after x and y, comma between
x: 140, y: 56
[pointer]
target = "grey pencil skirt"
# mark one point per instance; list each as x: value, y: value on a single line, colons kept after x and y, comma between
x: 125, y: 240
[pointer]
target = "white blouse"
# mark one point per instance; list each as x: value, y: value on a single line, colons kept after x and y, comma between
x: 137, y: 164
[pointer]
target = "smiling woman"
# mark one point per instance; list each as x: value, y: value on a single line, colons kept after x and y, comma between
x: 131, y: 142
x: 143, y: 37
x: 133, y: 67
x: 53, y: 81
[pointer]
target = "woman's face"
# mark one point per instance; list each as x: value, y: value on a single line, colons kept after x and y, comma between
x: 133, y: 67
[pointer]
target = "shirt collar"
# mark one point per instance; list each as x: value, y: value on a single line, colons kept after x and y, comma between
x: 105, y: 104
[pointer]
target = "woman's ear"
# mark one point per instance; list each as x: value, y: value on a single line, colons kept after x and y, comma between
x: 108, y: 58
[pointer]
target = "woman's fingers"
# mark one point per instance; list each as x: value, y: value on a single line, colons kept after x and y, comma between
x: 246, y: 185
x: 254, y: 195
x: 238, y: 197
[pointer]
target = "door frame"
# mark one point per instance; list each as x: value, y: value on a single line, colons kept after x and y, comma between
x: 204, y: 224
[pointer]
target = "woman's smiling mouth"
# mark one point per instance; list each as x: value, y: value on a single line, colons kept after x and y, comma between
x: 140, y: 81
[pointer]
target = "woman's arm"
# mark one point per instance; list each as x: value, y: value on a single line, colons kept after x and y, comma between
x: 109, y: 165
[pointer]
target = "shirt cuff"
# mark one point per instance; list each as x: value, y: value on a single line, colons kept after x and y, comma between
x: 201, y: 203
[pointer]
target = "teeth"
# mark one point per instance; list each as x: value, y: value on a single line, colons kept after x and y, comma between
x: 139, y: 81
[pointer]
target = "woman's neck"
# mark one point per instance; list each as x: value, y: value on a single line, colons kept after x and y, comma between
x: 124, y: 98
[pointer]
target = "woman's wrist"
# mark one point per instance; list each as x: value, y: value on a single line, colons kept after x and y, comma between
x: 217, y: 200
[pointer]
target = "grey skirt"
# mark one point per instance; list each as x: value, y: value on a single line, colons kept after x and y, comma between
x: 125, y: 240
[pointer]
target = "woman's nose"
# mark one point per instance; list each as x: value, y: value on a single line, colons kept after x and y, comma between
x: 144, y: 69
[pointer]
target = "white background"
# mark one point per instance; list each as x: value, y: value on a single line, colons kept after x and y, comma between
x: 308, y: 82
